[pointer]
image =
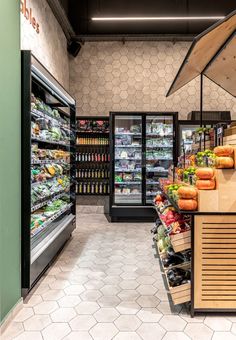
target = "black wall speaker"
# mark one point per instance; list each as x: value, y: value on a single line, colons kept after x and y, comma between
x: 73, y: 48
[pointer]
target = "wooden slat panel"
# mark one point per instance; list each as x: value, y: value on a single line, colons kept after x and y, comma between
x: 215, y: 262
x: 183, y: 299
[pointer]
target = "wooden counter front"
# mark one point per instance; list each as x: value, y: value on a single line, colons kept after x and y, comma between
x: 214, y: 262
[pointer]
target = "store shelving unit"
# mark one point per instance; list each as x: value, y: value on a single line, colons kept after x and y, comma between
x: 142, y: 148
x: 92, y: 156
x: 48, y: 169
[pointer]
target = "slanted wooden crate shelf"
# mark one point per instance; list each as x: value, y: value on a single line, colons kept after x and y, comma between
x: 180, y: 294
x: 181, y: 241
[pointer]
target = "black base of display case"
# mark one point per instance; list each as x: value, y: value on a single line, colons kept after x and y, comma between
x: 132, y: 214
x: 43, y: 262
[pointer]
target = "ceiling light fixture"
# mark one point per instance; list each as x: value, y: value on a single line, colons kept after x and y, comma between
x: 156, y: 18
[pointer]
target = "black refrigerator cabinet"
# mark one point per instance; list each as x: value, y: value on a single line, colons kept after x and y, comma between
x: 143, y: 149
x: 48, y: 169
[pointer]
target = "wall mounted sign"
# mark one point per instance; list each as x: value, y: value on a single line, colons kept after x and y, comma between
x: 28, y: 14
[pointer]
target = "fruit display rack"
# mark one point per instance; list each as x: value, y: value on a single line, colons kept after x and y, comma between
x: 172, y: 242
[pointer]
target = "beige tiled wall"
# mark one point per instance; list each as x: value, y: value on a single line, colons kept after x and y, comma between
x: 108, y: 76
x: 50, y: 45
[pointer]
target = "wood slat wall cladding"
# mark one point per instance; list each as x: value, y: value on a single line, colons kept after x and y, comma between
x: 215, y: 262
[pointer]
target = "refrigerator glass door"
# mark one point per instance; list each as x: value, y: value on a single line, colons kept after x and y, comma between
x: 128, y: 159
x: 159, y: 151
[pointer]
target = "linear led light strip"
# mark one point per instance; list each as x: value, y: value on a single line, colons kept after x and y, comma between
x: 155, y: 18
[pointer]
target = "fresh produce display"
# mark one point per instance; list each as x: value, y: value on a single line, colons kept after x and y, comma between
x: 187, y: 192
x: 41, y: 173
x: 205, y: 173
x: 205, y: 158
x: 189, y: 175
x: 38, y: 154
x: 42, y: 192
x: 187, y: 204
x: 206, y: 184
x: 48, y: 124
x: 171, y: 258
x: 40, y: 218
x: 37, y: 104
x: 224, y: 163
x: 224, y: 151
x: 178, y: 276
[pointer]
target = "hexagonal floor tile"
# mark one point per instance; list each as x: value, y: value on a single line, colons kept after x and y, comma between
x: 24, y: 314
x: 126, y: 323
x: 37, y: 322
x: 56, y: 331
x: 172, y: 323
x: 74, y: 289
x: 108, y: 290
x: 145, y: 280
x: 91, y: 295
x: 147, y: 330
x: 128, y: 295
x: 218, y: 323
x: 87, y: 307
x: 63, y: 315
x: 103, y: 331
x: 149, y: 315
x: 29, y: 336
x: 46, y: 307
x: 94, y: 284
x: 69, y: 301
x: 223, y: 336
x: 148, y: 301
x: 59, y: 284
x: 109, y: 301
x: 106, y: 314
x: 129, y: 284
x: 82, y: 323
x: 128, y: 307
x: 78, y: 336
x: 176, y: 336
x: 198, y: 331
x: 146, y: 290
x: 53, y: 295
x: 127, y: 336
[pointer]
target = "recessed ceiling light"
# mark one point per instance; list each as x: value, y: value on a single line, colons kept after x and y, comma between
x: 156, y: 18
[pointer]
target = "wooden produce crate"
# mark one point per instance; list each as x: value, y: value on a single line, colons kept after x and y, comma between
x: 180, y: 294
x: 230, y: 131
x: 181, y: 241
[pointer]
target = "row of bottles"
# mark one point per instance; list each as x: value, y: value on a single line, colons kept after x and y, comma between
x: 93, y: 173
x: 92, y: 157
x: 92, y: 141
x: 92, y: 188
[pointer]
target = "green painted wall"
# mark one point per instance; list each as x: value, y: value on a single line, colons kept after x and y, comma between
x: 10, y: 114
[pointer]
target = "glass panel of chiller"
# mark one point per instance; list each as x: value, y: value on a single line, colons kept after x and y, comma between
x: 159, y: 151
x: 128, y: 160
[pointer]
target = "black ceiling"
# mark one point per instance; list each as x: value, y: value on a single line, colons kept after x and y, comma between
x: 80, y: 13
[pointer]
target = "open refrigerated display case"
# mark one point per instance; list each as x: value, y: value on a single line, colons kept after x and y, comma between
x: 48, y: 169
x: 142, y: 148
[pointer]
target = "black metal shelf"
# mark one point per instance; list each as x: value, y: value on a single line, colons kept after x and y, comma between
x: 93, y: 162
x: 39, y: 140
x: 92, y: 133
x: 91, y: 194
x: 92, y: 145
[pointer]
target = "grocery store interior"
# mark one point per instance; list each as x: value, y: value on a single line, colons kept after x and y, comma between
x: 118, y: 176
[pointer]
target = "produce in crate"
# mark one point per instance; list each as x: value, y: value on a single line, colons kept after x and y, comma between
x: 205, y: 173
x: 206, y: 184
x: 187, y: 192
x: 187, y: 204
x: 178, y: 276
x: 223, y: 151
x: 224, y: 163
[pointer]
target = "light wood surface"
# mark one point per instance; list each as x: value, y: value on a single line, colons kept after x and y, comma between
x: 222, y: 70
x: 201, y: 52
x: 215, y: 262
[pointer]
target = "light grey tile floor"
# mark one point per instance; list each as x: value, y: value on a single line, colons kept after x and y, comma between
x: 106, y: 284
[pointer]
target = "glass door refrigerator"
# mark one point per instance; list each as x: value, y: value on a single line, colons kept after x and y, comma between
x: 142, y: 148
x: 48, y: 169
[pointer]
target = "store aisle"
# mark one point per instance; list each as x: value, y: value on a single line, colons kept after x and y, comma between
x: 106, y: 284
